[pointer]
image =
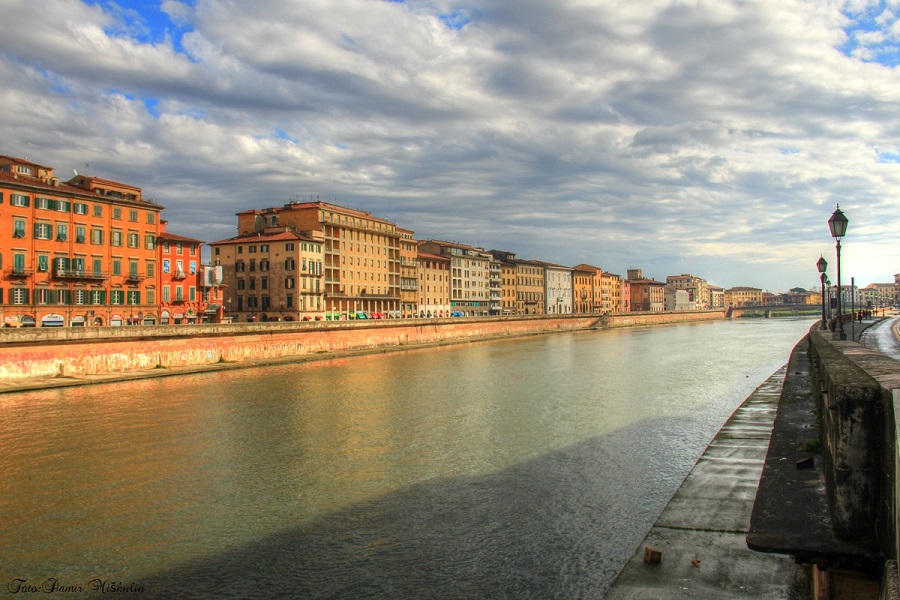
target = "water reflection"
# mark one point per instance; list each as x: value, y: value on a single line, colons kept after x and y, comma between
x: 492, y: 466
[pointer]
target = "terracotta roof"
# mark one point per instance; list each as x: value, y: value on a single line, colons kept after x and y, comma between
x: 284, y: 235
x: 178, y: 238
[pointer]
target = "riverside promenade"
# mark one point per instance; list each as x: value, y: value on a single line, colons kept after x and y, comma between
x: 701, y: 534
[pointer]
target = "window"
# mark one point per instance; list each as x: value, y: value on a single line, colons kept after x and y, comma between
x: 97, y: 237
x: 98, y: 266
x: 134, y: 297
x: 98, y: 210
x: 117, y: 297
x: 290, y: 264
x: 151, y: 297
x: 239, y: 266
x: 240, y: 284
x: 133, y: 216
x: 151, y: 269
x: 179, y: 294
x: 43, y: 231
x: 264, y: 283
x: 264, y: 248
x: 289, y: 246
x: 19, y: 228
x: 251, y: 249
x: 43, y: 263
x: 133, y: 240
x: 193, y: 265
x: 80, y: 296
x: 192, y: 294
x: 63, y: 206
x: 289, y: 300
x: 98, y: 297
x: 133, y: 268
x: 150, y: 241
x: 19, y: 296
x: 264, y: 265
x: 117, y: 214
x: 79, y: 234
x: 62, y: 232
x: 179, y: 247
x: 18, y: 200
x: 43, y: 203
x: 115, y: 238
x: 116, y: 266
x: 289, y: 283
x: 80, y: 208
x: 151, y: 219
x: 166, y: 295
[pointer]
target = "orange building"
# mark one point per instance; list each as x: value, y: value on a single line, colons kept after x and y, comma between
x: 77, y: 253
x: 187, y: 294
x: 434, y: 285
x: 646, y: 295
x: 587, y: 283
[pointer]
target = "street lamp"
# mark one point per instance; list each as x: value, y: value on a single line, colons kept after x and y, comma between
x: 838, y: 225
x: 821, y: 265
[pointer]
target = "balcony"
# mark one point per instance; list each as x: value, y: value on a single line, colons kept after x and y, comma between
x: 135, y: 277
x: 180, y: 274
x: 63, y: 273
x: 18, y: 272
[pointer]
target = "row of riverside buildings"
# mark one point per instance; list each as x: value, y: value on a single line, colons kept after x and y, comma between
x: 93, y: 252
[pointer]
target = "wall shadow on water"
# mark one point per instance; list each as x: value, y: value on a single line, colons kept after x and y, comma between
x: 559, y: 526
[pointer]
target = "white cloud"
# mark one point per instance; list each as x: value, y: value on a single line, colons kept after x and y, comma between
x: 703, y: 132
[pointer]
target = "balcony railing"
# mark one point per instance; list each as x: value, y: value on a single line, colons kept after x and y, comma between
x: 19, y: 272
x: 62, y: 273
x: 135, y: 277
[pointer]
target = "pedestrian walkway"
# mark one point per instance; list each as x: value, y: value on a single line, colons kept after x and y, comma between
x: 701, y: 534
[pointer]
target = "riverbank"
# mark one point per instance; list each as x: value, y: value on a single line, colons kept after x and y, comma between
x: 40, y: 358
x: 701, y: 535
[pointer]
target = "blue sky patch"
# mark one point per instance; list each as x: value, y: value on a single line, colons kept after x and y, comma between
x: 143, y: 21
x: 869, y: 36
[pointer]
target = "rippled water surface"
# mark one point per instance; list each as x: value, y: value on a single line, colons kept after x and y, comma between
x: 526, y: 468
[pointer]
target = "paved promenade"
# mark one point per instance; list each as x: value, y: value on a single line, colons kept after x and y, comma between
x: 701, y: 534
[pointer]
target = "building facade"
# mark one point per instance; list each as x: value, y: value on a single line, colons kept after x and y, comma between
x: 697, y: 289
x: 78, y: 253
x: 743, y: 296
x: 181, y: 300
x: 409, y: 280
x: 469, y: 277
x: 361, y: 265
x: 557, y: 288
x: 434, y: 285
x: 276, y: 274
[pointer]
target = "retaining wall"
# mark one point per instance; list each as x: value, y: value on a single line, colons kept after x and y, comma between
x: 73, y: 352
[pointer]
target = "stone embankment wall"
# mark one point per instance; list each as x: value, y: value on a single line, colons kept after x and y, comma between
x: 74, y: 352
x: 858, y: 391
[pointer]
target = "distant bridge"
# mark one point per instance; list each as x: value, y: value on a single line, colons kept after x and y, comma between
x: 768, y: 309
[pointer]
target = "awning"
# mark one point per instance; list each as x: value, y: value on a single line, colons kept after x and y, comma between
x: 212, y: 309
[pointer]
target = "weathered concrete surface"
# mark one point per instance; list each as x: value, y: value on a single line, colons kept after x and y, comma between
x: 702, y: 531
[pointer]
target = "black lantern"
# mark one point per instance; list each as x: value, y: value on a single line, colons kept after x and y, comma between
x: 821, y: 265
x: 838, y: 225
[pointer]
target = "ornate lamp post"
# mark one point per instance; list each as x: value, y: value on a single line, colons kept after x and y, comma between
x: 838, y: 225
x: 821, y: 265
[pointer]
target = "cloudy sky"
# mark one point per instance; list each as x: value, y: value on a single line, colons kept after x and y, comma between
x: 712, y: 137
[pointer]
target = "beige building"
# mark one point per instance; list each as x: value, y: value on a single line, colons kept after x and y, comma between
x: 361, y: 266
x: 409, y: 281
x: 434, y: 285
x: 507, y: 280
x: 469, y: 277
x: 276, y: 274
x: 530, y: 288
x: 697, y: 289
x: 743, y: 296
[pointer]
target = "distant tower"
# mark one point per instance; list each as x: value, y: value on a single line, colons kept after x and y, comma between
x: 635, y: 274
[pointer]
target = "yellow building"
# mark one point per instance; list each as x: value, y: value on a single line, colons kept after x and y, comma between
x: 361, y: 266
x: 409, y: 281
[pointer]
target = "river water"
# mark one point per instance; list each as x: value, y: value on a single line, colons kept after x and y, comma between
x: 523, y: 468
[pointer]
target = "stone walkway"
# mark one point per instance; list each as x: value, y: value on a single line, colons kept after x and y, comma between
x: 702, y: 532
